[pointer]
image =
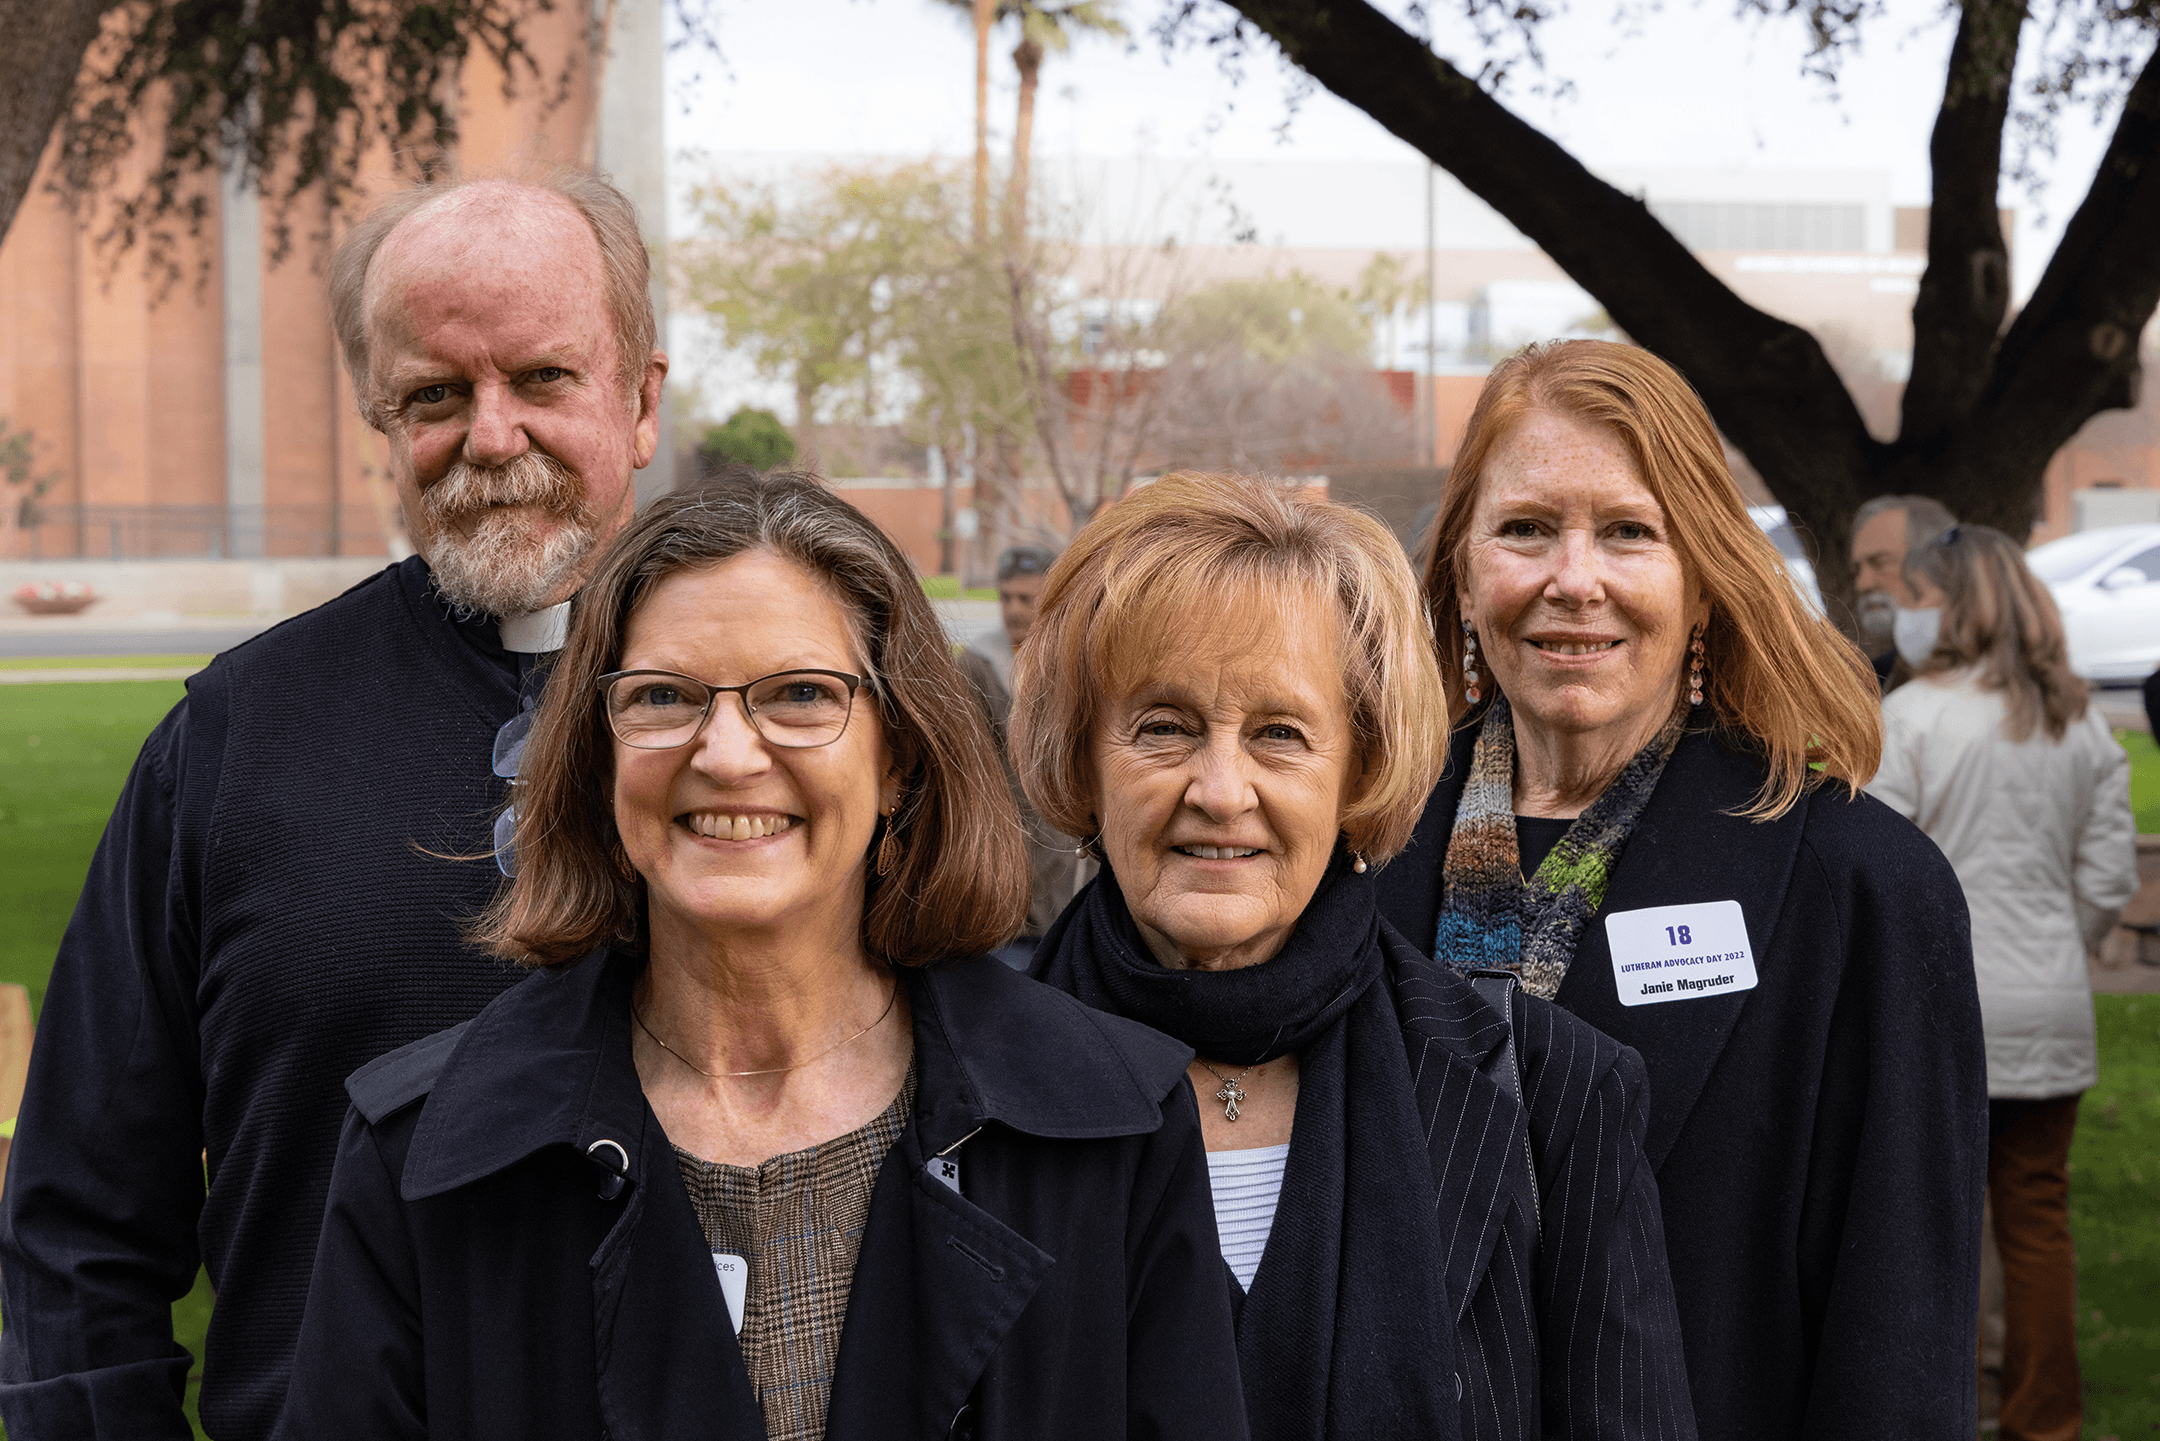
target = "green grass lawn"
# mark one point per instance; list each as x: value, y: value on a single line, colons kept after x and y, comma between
x: 2115, y: 1219
x: 65, y: 750
x: 947, y: 587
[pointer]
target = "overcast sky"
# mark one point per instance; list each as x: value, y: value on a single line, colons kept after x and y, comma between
x: 1690, y: 86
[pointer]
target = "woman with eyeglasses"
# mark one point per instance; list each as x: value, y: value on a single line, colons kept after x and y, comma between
x: 767, y: 1146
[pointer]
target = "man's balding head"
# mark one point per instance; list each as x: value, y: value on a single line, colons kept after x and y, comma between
x: 607, y: 211
x: 494, y: 332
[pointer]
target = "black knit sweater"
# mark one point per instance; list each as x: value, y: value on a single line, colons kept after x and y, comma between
x: 260, y: 920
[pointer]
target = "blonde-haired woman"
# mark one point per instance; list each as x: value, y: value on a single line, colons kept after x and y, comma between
x: 1653, y: 814
x: 1994, y: 752
x: 1435, y: 1216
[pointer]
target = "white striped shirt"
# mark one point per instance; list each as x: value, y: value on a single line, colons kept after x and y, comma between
x: 1246, y: 1185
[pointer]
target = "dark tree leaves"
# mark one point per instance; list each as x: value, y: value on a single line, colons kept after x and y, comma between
x: 291, y: 93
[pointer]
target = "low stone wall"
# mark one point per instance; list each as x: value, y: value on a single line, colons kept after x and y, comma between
x: 164, y: 588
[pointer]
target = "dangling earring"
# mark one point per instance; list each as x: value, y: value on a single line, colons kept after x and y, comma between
x: 1357, y: 862
x: 621, y: 858
x: 1694, y: 680
x: 888, y: 851
x: 1471, y: 693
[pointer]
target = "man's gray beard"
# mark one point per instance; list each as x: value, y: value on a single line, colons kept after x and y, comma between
x: 1877, y: 615
x: 485, y: 560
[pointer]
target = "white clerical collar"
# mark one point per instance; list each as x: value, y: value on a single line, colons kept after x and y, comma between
x: 535, y: 632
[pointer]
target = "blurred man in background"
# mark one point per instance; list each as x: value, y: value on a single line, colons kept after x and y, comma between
x: 1055, y: 868
x: 1883, y: 530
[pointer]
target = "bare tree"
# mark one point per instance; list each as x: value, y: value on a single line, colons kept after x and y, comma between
x: 1272, y: 376
x: 1089, y: 355
x: 826, y: 287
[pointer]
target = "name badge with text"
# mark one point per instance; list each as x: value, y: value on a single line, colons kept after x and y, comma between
x: 1677, y: 953
x: 734, y: 1284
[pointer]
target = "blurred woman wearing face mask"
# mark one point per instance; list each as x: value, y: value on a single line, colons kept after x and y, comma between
x: 1914, y: 632
x: 1994, y: 752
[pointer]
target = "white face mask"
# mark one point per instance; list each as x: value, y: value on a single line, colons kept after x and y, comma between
x: 1914, y: 632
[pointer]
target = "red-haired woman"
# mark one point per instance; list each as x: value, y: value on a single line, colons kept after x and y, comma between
x: 1994, y: 752
x: 1653, y: 813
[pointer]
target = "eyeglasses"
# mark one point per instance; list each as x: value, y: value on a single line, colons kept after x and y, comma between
x: 657, y: 710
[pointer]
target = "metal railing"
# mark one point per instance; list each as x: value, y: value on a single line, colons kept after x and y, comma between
x: 195, y: 532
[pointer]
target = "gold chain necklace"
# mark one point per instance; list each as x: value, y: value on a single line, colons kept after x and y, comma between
x: 890, y: 1001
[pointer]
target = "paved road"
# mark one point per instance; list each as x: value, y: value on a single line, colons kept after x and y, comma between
x: 2122, y: 707
x: 62, y: 675
x: 188, y: 638
x: 68, y: 636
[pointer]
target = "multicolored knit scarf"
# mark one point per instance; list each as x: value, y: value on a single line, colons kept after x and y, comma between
x: 1489, y: 915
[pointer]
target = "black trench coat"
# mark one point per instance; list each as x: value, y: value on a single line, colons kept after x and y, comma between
x: 475, y: 1281
x: 1820, y: 1141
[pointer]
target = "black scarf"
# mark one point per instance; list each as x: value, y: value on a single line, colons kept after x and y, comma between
x: 1347, y: 1334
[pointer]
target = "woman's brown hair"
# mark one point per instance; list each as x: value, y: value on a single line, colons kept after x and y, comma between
x: 1773, y: 667
x: 961, y: 884
x: 1123, y: 601
x: 1999, y: 619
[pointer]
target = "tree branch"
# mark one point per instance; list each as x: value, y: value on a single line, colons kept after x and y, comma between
x: 2073, y: 350
x: 1958, y: 317
x: 1765, y: 381
x: 44, y: 42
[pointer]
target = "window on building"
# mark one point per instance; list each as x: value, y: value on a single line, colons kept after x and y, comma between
x: 1733, y: 225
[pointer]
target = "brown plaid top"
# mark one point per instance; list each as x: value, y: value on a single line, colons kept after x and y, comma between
x: 797, y: 1221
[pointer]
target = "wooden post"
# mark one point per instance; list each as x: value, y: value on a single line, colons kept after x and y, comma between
x: 15, y: 1035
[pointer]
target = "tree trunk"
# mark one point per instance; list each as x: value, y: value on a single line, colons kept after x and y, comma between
x: 1994, y: 412
x: 806, y: 426
x: 985, y: 13
x: 1958, y: 316
x: 44, y: 42
x: 1028, y: 56
x: 948, y: 562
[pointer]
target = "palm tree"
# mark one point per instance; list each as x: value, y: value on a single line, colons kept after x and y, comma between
x: 1046, y: 28
x: 985, y: 17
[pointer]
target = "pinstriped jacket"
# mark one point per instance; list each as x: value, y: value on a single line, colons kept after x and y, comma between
x: 1573, y: 1332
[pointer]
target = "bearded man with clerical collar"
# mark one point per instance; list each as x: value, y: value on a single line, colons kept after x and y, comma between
x: 270, y: 908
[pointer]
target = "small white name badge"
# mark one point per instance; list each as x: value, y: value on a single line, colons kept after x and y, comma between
x: 1678, y: 953
x: 734, y: 1284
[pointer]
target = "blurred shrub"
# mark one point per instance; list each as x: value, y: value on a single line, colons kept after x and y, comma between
x: 749, y: 437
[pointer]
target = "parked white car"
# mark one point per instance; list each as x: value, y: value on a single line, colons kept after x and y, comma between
x: 2107, y: 585
x: 1773, y: 522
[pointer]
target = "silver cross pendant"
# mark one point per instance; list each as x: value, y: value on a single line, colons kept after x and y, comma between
x: 1231, y: 1095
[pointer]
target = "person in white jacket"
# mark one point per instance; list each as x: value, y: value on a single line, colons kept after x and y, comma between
x: 1994, y: 752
